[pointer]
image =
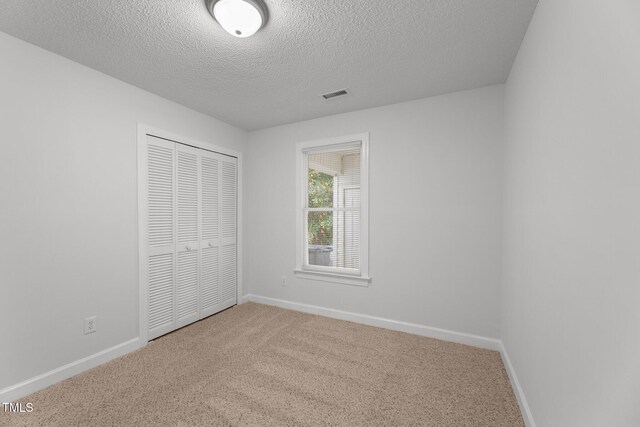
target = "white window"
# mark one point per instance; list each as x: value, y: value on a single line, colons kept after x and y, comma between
x: 333, y: 210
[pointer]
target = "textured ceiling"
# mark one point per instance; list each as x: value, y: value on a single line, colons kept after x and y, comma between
x: 382, y: 51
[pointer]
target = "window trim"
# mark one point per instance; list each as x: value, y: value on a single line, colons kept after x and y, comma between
x: 333, y: 274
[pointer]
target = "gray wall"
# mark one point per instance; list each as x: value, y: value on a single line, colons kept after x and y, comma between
x: 435, y: 212
x: 569, y: 222
x: 571, y: 293
x: 68, y: 222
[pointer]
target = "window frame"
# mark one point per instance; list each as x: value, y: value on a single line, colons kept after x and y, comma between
x: 342, y: 275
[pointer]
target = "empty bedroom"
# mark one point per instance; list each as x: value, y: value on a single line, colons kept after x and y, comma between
x: 314, y: 213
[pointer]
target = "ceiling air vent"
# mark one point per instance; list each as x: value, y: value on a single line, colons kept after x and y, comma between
x: 337, y: 93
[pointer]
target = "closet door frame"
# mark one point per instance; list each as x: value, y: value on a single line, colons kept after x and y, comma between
x: 143, y: 131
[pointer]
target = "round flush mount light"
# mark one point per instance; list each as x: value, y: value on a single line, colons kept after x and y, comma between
x: 240, y: 18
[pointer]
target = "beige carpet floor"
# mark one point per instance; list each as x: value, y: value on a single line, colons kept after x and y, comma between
x: 259, y: 365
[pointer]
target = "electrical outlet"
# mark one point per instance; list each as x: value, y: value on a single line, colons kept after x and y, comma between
x: 284, y: 280
x: 90, y: 325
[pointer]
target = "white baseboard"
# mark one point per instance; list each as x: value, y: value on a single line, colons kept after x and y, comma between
x: 25, y: 388
x: 427, y: 331
x: 412, y: 328
x: 517, y: 389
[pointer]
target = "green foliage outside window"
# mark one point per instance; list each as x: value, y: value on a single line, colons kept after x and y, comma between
x: 320, y: 196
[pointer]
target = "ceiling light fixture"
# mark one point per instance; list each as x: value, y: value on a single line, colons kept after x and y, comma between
x: 240, y: 18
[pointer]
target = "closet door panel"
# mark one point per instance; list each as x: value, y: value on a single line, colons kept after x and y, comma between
x: 210, y: 237
x: 190, y: 233
x: 188, y: 243
x: 210, y: 281
x: 160, y: 239
x: 228, y: 195
x: 160, y: 296
x: 228, y: 213
x: 210, y: 184
x: 228, y: 276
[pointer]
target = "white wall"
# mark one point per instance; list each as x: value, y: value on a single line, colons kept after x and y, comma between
x: 435, y: 214
x: 68, y: 236
x: 571, y: 299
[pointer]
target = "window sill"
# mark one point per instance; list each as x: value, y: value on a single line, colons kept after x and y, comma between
x: 332, y: 277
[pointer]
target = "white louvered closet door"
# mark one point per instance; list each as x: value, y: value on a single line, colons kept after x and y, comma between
x: 210, y: 237
x: 160, y: 235
x: 188, y: 234
x: 228, y: 230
